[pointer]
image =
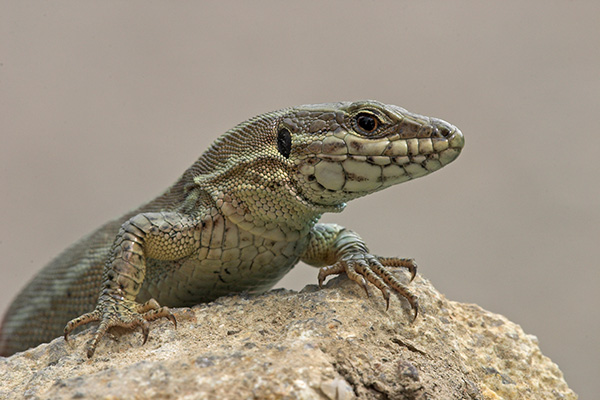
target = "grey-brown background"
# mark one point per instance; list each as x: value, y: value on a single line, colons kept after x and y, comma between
x: 104, y: 104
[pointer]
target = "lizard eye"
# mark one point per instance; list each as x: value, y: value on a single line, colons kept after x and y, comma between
x: 367, y: 122
x: 284, y: 142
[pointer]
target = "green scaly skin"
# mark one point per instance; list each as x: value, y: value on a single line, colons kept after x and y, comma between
x: 238, y: 220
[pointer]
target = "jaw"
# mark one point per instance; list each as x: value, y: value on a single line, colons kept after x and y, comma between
x: 346, y: 166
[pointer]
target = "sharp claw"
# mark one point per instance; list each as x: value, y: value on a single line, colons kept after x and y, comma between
x: 415, y: 306
x: 365, y: 286
x: 386, y: 296
x: 412, y: 268
x: 171, y: 318
x: 321, y: 280
x: 413, y: 273
x: 145, y: 331
x: 67, y: 331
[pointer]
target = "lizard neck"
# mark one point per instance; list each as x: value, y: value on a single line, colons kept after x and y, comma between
x: 258, y: 193
x: 279, y: 215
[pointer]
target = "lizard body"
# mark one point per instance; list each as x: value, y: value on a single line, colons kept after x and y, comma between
x: 238, y: 220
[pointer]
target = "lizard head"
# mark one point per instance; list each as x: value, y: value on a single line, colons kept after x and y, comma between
x: 341, y: 151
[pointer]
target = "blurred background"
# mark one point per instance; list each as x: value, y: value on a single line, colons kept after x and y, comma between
x: 104, y: 104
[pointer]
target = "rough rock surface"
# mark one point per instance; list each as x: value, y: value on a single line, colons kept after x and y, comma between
x: 333, y: 343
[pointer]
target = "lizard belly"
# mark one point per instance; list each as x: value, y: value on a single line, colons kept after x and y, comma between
x: 251, y: 263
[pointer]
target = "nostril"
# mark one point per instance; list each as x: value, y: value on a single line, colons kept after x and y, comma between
x: 441, y: 128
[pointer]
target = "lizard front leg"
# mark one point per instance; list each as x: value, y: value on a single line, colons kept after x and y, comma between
x: 160, y: 235
x: 339, y: 250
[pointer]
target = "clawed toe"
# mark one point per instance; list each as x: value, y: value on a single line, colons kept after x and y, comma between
x: 368, y: 268
x: 120, y: 315
x: 93, y: 316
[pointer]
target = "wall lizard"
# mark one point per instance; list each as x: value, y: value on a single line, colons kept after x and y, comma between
x: 238, y: 220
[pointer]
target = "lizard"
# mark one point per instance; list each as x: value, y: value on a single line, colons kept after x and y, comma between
x: 238, y: 220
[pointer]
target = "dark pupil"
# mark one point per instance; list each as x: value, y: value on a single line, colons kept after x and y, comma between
x: 284, y: 142
x: 366, y: 123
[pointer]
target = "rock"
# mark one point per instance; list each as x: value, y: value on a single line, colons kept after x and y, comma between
x: 333, y: 343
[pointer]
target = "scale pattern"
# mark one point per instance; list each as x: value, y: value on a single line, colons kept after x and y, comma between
x: 238, y: 220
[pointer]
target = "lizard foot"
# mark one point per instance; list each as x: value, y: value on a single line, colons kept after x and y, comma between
x: 363, y: 268
x: 125, y: 314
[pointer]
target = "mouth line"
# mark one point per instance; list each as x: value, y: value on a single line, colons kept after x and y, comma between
x: 380, y: 160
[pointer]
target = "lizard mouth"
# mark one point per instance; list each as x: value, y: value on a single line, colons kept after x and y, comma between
x: 375, y: 165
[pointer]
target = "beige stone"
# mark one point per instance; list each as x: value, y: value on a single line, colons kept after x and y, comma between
x: 333, y: 343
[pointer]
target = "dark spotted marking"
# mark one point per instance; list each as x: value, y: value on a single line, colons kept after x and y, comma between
x: 357, y: 145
